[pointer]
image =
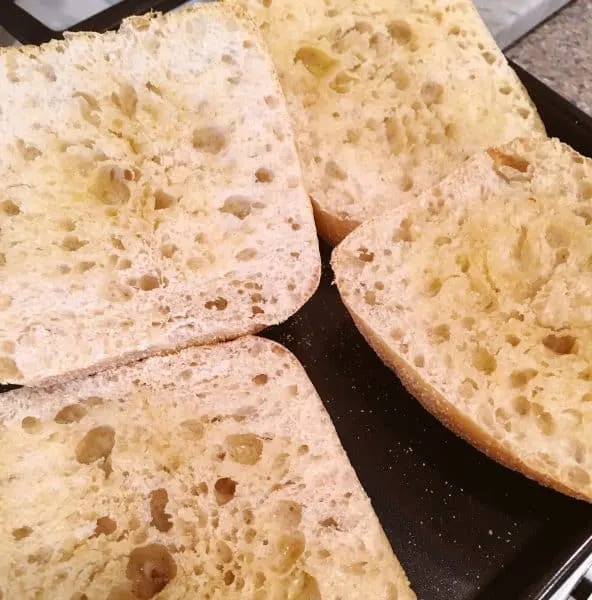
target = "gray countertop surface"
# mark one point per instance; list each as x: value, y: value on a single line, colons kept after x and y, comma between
x: 559, y: 52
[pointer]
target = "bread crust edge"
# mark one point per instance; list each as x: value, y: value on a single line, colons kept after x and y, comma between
x: 437, y: 405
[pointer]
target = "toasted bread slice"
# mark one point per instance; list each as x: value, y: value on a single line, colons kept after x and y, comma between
x: 150, y: 197
x: 388, y: 97
x: 479, y: 296
x: 212, y: 473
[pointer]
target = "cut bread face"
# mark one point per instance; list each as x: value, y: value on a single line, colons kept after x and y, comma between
x: 478, y: 296
x: 212, y: 473
x: 151, y: 195
x: 388, y: 97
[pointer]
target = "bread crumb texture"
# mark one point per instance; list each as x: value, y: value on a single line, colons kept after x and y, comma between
x: 389, y: 96
x: 212, y: 474
x: 150, y: 196
x: 484, y: 290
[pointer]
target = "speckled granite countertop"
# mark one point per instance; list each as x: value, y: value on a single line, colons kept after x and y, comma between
x: 559, y: 52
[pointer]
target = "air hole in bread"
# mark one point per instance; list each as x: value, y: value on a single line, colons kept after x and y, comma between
x: 397, y: 333
x: 521, y: 377
x: 151, y: 87
x: 316, y: 61
x: 488, y: 57
x: 395, y: 134
x: 343, y: 83
x: 219, y: 304
x: 161, y: 520
x: 419, y: 361
x: 501, y: 416
x: 150, y: 569
x: 263, y: 175
x: 440, y: 333
x: 431, y: 93
x: 31, y: 425
x: 72, y: 413
x: 210, y: 139
x: 512, y: 339
x: 104, y: 526
x: 66, y: 224
x: 9, y: 208
x: 192, y: 429
x: 565, y: 344
x: 162, y: 200
x: 289, y: 548
x: 578, y: 451
x: 433, y: 287
x: 224, y: 489
x: 148, y: 283
x: 467, y: 388
x: 250, y: 535
x: 587, y: 397
x: 521, y: 405
x: 86, y: 265
x: 463, y: 262
x: 248, y: 516
x: 122, y: 265
x: 194, y: 263
x: 168, y: 250
x: 8, y: 369
x: 96, y: 444
x: 20, y: 533
x: 72, y: 243
x: 244, y: 448
x: 400, y: 31
x: 557, y: 236
x: 401, y: 78
x: 505, y: 90
x: 483, y: 360
x: 239, y: 206
x: 332, y: 169
x: 257, y: 310
x: 403, y: 233
x: 126, y: 101
x: 364, y: 255
x: 295, y: 226
x: 544, y: 420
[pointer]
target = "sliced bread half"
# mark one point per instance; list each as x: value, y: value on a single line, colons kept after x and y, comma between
x: 150, y: 195
x: 388, y: 97
x: 479, y: 296
x: 212, y: 473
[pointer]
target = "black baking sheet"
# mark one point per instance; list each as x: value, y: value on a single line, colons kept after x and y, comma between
x: 464, y: 527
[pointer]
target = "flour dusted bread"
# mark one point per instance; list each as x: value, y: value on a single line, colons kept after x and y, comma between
x: 150, y: 195
x: 388, y: 97
x: 479, y: 295
x: 215, y: 473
